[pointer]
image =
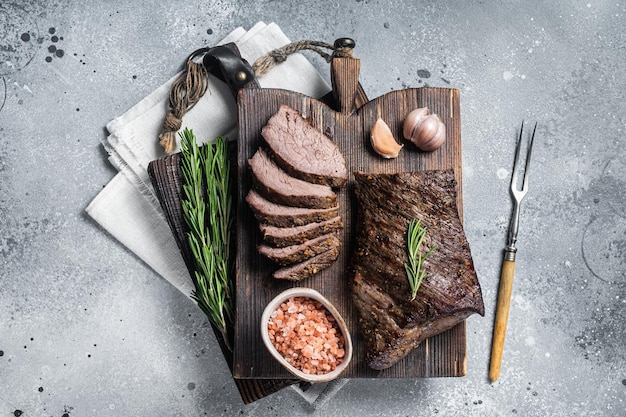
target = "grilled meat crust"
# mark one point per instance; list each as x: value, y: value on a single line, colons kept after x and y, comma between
x: 309, y: 267
x: 391, y: 323
x: 279, y: 215
x: 279, y: 187
x: 290, y: 255
x: 287, y: 236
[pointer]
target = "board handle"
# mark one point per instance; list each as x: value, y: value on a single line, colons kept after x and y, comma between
x: 344, y: 75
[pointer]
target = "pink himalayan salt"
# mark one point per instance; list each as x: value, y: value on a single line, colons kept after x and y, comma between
x: 306, y: 335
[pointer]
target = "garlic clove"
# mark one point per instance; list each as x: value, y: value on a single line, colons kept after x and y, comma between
x: 437, y: 140
x: 383, y: 141
x: 413, y: 121
x: 426, y: 130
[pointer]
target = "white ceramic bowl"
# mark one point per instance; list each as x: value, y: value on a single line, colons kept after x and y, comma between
x: 314, y: 295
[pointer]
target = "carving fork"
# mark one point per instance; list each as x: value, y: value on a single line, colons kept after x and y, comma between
x: 508, y: 264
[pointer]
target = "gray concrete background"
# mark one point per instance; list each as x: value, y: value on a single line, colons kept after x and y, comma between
x: 88, y: 330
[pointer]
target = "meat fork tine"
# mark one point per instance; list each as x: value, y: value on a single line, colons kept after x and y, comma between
x: 508, y: 264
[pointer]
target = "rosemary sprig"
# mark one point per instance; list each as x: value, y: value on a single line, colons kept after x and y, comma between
x: 414, y: 271
x: 207, y: 210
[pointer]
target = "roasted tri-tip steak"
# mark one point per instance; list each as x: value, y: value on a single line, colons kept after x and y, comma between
x: 309, y: 267
x: 275, y: 185
x: 297, y: 253
x: 392, y: 324
x: 287, y: 236
x: 303, y: 151
x: 279, y: 215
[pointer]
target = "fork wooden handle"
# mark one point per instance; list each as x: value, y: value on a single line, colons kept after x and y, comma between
x: 502, y: 316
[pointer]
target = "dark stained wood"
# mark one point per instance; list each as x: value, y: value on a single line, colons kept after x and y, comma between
x: 348, y: 123
x: 344, y: 75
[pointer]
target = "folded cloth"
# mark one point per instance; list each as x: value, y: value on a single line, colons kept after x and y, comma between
x: 127, y: 207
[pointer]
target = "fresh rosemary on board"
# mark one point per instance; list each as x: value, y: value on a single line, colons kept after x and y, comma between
x: 414, y: 271
x: 207, y: 210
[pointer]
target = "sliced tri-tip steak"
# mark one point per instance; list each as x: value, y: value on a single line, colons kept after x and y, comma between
x: 290, y: 255
x: 287, y: 236
x: 392, y: 324
x: 275, y: 185
x: 303, y: 151
x: 279, y: 215
x: 309, y: 267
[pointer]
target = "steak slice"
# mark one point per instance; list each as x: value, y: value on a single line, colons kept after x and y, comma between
x: 275, y: 185
x: 303, y: 151
x: 278, y: 215
x: 392, y: 324
x: 309, y: 267
x: 297, y: 253
x: 287, y: 236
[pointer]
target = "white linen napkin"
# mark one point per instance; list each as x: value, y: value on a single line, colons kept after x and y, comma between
x: 127, y: 207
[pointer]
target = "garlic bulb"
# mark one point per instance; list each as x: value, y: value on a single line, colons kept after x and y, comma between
x: 426, y: 131
x: 383, y: 141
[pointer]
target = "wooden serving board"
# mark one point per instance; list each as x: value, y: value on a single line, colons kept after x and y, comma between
x: 348, y: 125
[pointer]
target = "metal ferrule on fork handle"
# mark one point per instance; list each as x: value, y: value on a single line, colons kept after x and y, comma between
x: 509, y: 253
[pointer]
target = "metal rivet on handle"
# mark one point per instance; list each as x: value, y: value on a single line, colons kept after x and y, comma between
x: 241, y: 76
x: 345, y: 43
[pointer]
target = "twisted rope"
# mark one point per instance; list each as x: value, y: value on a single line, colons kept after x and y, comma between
x: 268, y: 61
x: 185, y: 92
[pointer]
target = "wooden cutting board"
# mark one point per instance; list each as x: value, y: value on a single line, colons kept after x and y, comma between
x: 348, y: 125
